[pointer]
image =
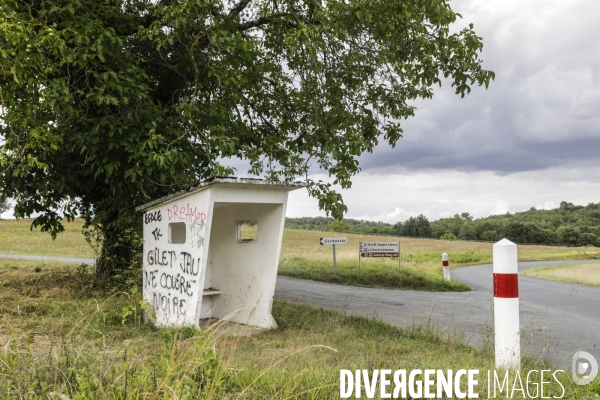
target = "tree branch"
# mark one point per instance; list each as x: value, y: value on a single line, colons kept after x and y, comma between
x: 235, y: 11
x: 264, y: 21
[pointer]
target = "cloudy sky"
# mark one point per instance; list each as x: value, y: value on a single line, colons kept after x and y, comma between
x: 530, y: 140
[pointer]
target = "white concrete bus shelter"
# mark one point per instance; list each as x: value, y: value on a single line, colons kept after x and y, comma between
x: 212, y: 251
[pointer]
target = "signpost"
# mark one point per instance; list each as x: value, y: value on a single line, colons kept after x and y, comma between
x: 378, y: 249
x: 333, y: 241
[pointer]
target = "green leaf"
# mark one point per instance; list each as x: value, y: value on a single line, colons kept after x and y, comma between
x: 125, y: 104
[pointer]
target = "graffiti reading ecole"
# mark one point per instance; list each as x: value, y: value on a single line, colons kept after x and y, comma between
x: 174, y: 272
x: 150, y: 217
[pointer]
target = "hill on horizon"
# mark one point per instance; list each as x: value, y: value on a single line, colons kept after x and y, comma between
x: 568, y: 225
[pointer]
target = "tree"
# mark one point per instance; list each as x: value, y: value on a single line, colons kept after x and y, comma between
x: 398, y: 226
x: 417, y: 227
x: 109, y: 104
x: 467, y: 232
x: 567, y: 235
x: 466, y: 216
x: 448, y: 236
x: 340, y: 226
x: 444, y: 225
x: 423, y: 226
x: 490, y: 236
x: 520, y: 232
x: 408, y: 227
x: 387, y: 231
x: 589, y: 239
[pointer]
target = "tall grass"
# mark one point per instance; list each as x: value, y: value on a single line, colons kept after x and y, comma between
x: 583, y: 274
x: 305, y: 244
x: 373, y: 274
x: 61, y: 337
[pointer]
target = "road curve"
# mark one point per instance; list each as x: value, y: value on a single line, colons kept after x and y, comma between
x: 66, y: 260
x: 558, y: 319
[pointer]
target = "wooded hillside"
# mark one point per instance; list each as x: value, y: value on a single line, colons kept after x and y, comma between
x: 569, y: 225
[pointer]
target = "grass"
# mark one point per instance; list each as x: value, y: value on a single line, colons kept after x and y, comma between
x: 303, y: 257
x: 583, y: 274
x: 426, y: 252
x: 372, y: 275
x: 60, y: 337
x: 17, y: 238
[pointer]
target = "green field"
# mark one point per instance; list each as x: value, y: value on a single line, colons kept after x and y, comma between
x: 583, y: 274
x: 63, y: 338
x: 303, y: 257
x: 16, y: 237
x: 61, y: 334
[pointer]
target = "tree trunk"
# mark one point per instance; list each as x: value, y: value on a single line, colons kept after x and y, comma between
x: 119, y: 265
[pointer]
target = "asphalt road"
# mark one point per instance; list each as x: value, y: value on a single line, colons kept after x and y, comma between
x: 558, y: 319
x: 66, y: 260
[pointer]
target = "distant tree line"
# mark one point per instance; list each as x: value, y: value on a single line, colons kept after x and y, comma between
x: 568, y: 225
x: 346, y: 225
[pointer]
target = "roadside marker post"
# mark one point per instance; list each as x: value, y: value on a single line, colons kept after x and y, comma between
x: 334, y: 262
x: 446, y: 267
x: 333, y: 241
x: 507, y: 332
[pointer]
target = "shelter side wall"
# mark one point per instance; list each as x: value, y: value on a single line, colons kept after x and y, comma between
x: 245, y: 272
x: 278, y: 252
x: 175, y: 245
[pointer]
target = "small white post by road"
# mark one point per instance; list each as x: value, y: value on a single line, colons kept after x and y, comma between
x: 334, y: 261
x: 446, y: 267
x: 507, y: 333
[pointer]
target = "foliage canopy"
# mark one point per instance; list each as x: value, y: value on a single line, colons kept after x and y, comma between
x: 107, y: 104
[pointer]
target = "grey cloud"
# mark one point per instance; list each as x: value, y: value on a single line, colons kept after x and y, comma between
x: 542, y: 110
x: 510, y: 159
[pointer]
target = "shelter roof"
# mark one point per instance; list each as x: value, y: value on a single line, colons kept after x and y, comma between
x: 228, y: 180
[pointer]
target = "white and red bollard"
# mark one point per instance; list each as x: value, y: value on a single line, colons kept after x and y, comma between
x: 507, y: 333
x: 446, y: 267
